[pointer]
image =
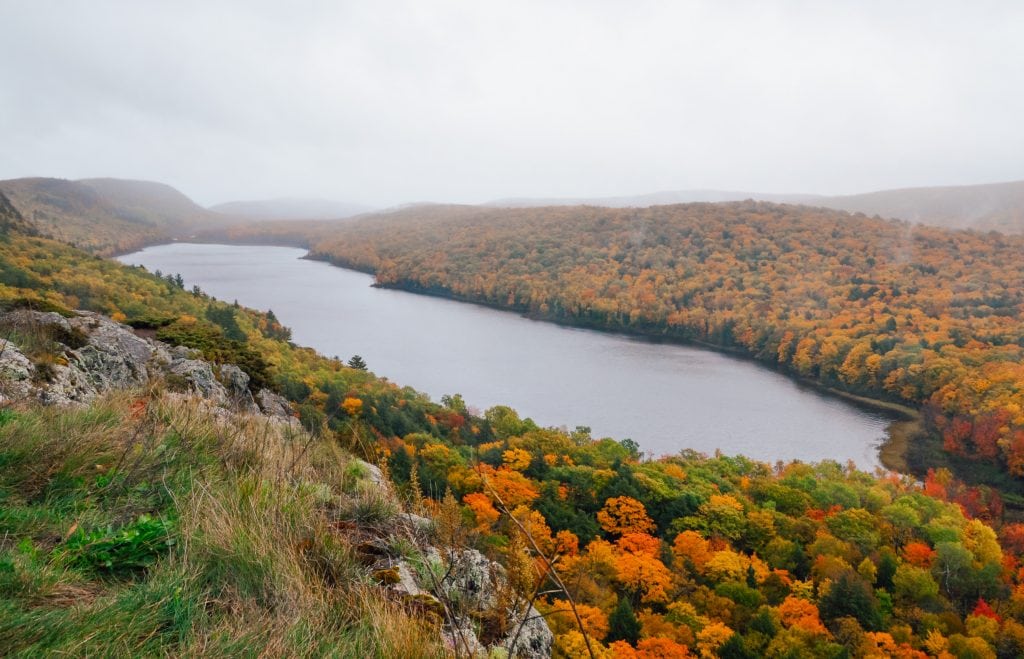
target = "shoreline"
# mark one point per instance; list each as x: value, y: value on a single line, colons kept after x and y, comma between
x: 904, y: 421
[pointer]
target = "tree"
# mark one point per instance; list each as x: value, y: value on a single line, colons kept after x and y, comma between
x: 850, y: 596
x: 621, y: 515
x: 622, y: 623
x: 357, y: 362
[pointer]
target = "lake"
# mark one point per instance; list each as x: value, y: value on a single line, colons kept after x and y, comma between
x: 666, y: 397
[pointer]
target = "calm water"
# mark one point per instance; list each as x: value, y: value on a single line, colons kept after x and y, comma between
x: 665, y: 397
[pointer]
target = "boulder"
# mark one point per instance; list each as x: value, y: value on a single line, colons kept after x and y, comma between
x: 16, y: 372
x: 461, y: 638
x: 371, y: 473
x: 236, y: 383
x: 532, y: 640
x: 37, y: 319
x: 67, y: 385
x: 473, y: 579
x: 198, y: 376
x: 273, y: 405
x: 113, y: 357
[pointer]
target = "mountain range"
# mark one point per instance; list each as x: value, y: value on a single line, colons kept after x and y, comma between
x: 108, y: 216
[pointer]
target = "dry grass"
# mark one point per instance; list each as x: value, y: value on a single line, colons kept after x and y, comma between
x: 258, y: 566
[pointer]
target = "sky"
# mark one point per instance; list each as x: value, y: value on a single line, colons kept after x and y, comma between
x: 386, y: 102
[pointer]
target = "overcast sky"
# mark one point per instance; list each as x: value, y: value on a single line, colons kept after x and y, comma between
x: 384, y: 102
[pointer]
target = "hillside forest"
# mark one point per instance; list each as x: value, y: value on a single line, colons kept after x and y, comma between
x: 921, y: 316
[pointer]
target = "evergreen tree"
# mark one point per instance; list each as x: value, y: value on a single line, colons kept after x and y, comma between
x: 886, y: 570
x: 622, y: 623
x: 735, y: 648
x: 850, y: 596
x: 357, y: 362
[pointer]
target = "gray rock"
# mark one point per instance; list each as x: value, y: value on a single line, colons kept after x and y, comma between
x: 473, y: 579
x: 113, y: 357
x: 161, y: 358
x: 372, y: 472
x: 29, y: 318
x: 113, y: 337
x: 182, y: 352
x: 199, y: 377
x: 418, y: 523
x: 273, y: 404
x: 15, y: 373
x: 106, y: 367
x: 534, y: 640
x: 236, y: 382
x: 461, y: 638
x: 67, y: 386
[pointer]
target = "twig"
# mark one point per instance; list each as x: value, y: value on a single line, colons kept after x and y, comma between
x: 552, y: 573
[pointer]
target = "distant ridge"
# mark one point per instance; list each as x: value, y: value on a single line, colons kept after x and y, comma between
x: 991, y: 206
x: 290, y: 208
x: 661, y: 198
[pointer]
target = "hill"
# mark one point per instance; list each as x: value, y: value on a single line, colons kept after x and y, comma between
x: 662, y: 198
x: 988, y: 207
x: 107, y: 216
x: 290, y: 209
x: 994, y: 206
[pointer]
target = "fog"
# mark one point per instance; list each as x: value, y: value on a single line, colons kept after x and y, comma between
x: 390, y: 102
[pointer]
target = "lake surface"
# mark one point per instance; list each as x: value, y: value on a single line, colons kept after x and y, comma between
x: 666, y: 397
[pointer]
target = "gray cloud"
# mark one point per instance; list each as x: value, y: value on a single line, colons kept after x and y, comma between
x: 391, y: 101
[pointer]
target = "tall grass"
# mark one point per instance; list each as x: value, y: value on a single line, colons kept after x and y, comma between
x: 149, y: 524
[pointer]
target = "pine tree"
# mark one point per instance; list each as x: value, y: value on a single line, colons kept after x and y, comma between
x: 357, y: 362
x: 622, y: 623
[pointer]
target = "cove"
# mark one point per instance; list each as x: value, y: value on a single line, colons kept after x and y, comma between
x: 666, y: 397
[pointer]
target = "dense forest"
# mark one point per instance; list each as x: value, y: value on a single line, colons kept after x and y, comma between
x: 684, y: 555
x: 906, y: 313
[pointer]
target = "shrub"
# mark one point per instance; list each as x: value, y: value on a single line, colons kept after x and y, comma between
x: 132, y: 547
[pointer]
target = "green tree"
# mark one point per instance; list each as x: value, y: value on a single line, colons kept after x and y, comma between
x: 357, y: 362
x: 850, y: 596
x: 622, y: 623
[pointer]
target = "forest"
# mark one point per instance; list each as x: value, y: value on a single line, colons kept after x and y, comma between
x: 686, y: 555
x: 918, y: 315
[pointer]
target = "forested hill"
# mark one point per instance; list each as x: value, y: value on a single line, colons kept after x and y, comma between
x: 991, y: 206
x: 144, y: 522
x: 916, y: 314
x: 988, y: 207
x: 107, y: 216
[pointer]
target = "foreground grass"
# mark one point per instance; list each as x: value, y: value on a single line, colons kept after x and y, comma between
x: 145, y: 525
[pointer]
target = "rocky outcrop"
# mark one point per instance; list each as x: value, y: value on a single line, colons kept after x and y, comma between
x: 67, y: 361
x: 464, y: 590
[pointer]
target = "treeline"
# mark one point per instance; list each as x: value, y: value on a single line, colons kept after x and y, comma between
x: 913, y: 314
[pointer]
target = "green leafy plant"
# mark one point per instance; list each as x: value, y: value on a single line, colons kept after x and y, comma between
x: 132, y: 547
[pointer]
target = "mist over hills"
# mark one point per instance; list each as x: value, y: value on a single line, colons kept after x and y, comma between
x: 106, y: 215
x: 992, y: 206
x: 290, y: 208
x: 660, y: 198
